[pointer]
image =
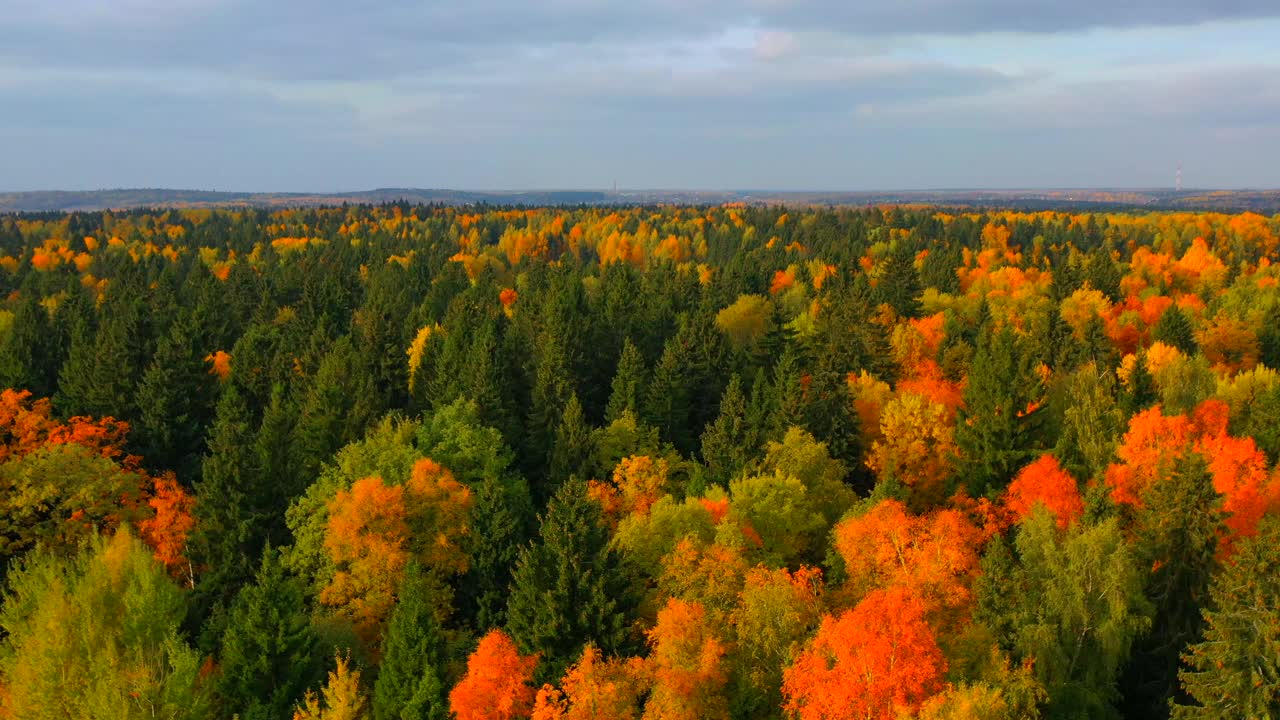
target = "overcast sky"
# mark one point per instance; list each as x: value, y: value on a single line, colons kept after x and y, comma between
x: 317, y: 95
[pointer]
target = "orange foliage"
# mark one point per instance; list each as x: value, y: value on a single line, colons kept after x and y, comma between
x: 496, y: 686
x: 365, y: 537
x: 934, y: 555
x: 872, y: 663
x: 594, y: 689
x: 219, y: 364
x: 686, y: 665
x: 167, y: 531
x: 1044, y: 482
x: 782, y: 280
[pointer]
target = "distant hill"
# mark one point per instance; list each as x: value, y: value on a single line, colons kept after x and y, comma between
x: 1267, y: 201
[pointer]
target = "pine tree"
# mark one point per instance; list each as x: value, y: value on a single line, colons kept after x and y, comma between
x: 101, y: 370
x: 552, y: 388
x: 1234, y: 672
x: 628, y: 385
x: 276, y: 466
x: 270, y: 653
x: 410, y: 685
x: 570, y: 587
x: 1174, y: 329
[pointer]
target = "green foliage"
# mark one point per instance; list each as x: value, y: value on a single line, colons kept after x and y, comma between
x: 410, y: 684
x: 1234, y: 672
x: 270, y: 653
x: 96, y: 636
x: 570, y: 587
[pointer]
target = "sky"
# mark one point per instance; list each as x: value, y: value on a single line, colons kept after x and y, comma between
x: 321, y: 96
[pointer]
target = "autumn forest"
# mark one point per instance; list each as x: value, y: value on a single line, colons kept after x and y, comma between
x: 419, y: 462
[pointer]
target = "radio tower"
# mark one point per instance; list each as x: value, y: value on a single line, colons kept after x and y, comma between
x: 1177, y: 181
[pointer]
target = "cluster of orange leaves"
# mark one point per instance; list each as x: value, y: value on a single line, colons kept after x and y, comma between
x: 27, y: 425
x: 1155, y: 443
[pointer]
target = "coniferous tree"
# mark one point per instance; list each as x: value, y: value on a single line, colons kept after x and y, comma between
x: 571, y: 455
x: 1178, y: 528
x: 1174, y: 329
x: 270, y: 653
x: 338, y: 407
x: 727, y: 444
x: 997, y: 429
x: 900, y: 282
x: 570, y: 587
x: 500, y: 524
x: 410, y: 683
x: 27, y: 353
x: 1234, y: 672
x: 176, y: 400
x: 627, y: 389
x: 231, y: 528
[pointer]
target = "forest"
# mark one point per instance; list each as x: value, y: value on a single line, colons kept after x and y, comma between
x: 421, y: 462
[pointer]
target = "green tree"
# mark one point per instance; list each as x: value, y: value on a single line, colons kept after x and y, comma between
x: 572, y: 453
x: 899, y: 284
x: 1174, y: 329
x: 627, y: 389
x: 96, y: 636
x: 339, y: 405
x: 270, y: 652
x: 1234, y: 672
x: 410, y: 685
x: 570, y: 587
x: 176, y: 400
x: 27, y: 351
x: 729, y: 444
x: 998, y: 427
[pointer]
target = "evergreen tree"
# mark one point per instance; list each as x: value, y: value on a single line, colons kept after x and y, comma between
x: 552, y: 388
x: 1174, y: 329
x: 410, y: 684
x: 176, y: 400
x: 231, y: 528
x: 997, y: 429
x: 1234, y: 672
x: 628, y: 384
x: 571, y: 455
x: 101, y: 368
x: 899, y: 284
x: 1139, y: 390
x: 570, y: 588
x: 339, y: 405
x: 500, y: 524
x: 270, y: 653
x: 27, y: 352
x: 1269, y: 337
x: 1178, y: 528
x: 728, y: 444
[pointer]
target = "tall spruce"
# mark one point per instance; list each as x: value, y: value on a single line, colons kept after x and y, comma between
x: 627, y: 388
x: 410, y: 684
x: 570, y: 587
x: 271, y: 654
x: 998, y: 427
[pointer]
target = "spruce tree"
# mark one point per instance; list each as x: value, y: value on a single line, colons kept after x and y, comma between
x: 628, y: 385
x: 571, y: 454
x: 231, y: 528
x: 1174, y: 329
x: 410, y: 683
x: 339, y: 405
x: 728, y: 443
x: 176, y: 402
x: 500, y: 526
x: 1178, y: 528
x: 899, y: 284
x: 1234, y: 672
x: 570, y: 587
x: 27, y: 358
x: 997, y: 430
x: 270, y: 653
